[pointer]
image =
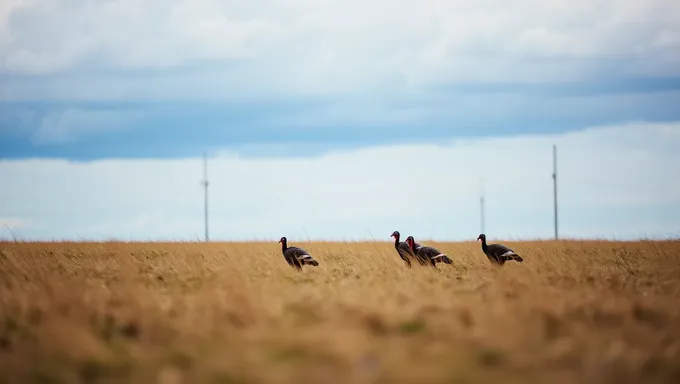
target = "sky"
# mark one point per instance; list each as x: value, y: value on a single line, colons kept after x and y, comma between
x: 339, y: 119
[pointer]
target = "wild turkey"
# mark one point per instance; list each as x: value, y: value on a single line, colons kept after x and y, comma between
x: 497, y: 253
x: 427, y: 254
x: 416, y: 246
x: 403, y: 249
x: 296, y: 257
x: 422, y: 258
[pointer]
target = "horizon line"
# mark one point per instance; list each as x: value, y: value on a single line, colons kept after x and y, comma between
x: 4, y: 241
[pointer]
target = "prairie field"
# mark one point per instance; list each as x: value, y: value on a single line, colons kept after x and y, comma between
x: 572, y: 312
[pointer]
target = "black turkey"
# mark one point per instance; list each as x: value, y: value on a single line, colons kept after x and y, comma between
x: 421, y: 257
x: 296, y: 257
x: 497, y: 253
x: 403, y: 249
x: 427, y: 254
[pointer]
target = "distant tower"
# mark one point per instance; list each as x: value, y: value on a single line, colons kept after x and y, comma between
x: 554, y: 175
x: 205, y: 186
x: 481, y: 205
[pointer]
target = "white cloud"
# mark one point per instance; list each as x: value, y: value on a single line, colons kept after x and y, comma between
x: 614, y: 181
x: 335, y: 46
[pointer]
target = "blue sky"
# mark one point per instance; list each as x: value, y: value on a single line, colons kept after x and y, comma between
x: 122, y: 85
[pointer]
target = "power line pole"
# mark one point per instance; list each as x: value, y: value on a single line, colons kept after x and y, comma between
x: 481, y: 206
x: 205, y: 186
x: 555, y: 185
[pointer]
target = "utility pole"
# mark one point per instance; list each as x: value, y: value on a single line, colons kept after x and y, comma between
x: 481, y: 206
x: 205, y: 186
x: 554, y: 175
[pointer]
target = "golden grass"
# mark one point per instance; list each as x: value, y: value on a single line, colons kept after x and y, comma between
x: 574, y: 311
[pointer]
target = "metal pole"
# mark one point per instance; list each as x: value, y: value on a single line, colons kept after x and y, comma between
x: 555, y: 186
x: 481, y: 207
x: 205, y: 185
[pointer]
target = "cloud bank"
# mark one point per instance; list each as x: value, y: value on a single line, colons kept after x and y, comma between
x: 92, y: 80
x: 614, y: 182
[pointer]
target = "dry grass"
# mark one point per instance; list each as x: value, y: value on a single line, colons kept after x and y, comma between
x: 581, y: 312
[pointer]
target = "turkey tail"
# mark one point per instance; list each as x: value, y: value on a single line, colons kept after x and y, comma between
x: 443, y: 258
x: 308, y: 260
x: 511, y: 255
x: 312, y: 262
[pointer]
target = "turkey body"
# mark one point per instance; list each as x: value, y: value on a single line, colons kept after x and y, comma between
x: 497, y: 253
x: 426, y: 254
x: 296, y: 257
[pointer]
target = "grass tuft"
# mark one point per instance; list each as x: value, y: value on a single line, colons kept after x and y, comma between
x: 413, y: 326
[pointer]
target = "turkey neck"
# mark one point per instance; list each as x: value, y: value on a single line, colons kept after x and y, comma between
x: 484, y: 246
x: 284, y: 246
x: 396, y: 241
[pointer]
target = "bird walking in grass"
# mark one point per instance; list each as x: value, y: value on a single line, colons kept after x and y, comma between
x: 497, y: 253
x: 403, y: 249
x: 427, y: 254
x: 415, y: 247
x: 296, y: 257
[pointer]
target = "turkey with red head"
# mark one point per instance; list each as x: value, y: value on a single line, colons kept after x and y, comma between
x: 427, y: 254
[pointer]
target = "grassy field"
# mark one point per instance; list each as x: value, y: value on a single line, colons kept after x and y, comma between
x: 579, y: 312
